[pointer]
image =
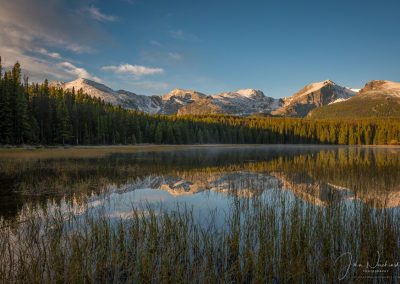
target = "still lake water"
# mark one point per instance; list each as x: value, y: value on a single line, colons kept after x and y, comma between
x: 203, y: 178
x: 303, y: 214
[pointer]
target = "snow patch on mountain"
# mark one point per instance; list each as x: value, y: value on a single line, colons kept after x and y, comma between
x: 93, y: 89
x: 240, y: 102
x: 338, y: 101
x: 355, y: 90
x: 245, y: 102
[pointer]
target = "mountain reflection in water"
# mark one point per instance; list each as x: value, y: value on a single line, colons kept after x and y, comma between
x: 206, y: 179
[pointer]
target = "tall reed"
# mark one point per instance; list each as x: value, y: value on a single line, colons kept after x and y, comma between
x: 259, y: 241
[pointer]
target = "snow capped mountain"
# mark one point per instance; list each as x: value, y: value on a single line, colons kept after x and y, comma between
x: 91, y: 88
x: 246, y: 102
x: 245, y: 93
x: 241, y: 102
x: 312, y: 96
x: 148, y: 104
x: 179, y: 101
x: 378, y: 98
x: 179, y: 98
x: 183, y: 96
x: 129, y: 100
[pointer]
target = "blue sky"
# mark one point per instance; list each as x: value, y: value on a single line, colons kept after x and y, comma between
x: 151, y: 47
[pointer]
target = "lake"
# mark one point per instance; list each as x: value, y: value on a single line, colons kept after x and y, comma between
x: 204, y: 213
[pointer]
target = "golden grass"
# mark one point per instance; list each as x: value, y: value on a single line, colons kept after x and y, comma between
x: 98, y: 151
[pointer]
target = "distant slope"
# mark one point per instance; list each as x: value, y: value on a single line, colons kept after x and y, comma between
x: 240, y: 102
x: 91, y: 88
x: 179, y: 101
x: 377, y: 99
x: 129, y: 100
x: 313, y: 96
x: 247, y: 102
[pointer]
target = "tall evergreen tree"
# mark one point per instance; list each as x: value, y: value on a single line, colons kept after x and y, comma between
x: 46, y: 114
x: 63, y: 123
x: 22, y: 126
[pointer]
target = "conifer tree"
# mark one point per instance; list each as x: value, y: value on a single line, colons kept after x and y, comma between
x: 20, y: 112
x: 64, y: 126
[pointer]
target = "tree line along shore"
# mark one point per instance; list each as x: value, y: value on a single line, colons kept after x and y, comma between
x: 42, y: 114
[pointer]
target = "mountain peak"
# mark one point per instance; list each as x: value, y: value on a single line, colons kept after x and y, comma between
x: 381, y: 87
x: 249, y: 93
x: 86, y: 81
x: 182, y: 93
x: 83, y: 83
x: 386, y: 84
x: 378, y: 98
x: 328, y: 82
x: 312, y: 96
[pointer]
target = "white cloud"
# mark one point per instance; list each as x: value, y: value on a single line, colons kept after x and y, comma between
x: 78, y: 72
x: 45, y: 52
x: 43, y: 26
x: 99, y: 16
x: 135, y: 70
x: 36, y: 69
x: 181, y: 35
x: 47, y: 23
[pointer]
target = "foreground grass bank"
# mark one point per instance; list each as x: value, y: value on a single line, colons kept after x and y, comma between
x: 259, y: 241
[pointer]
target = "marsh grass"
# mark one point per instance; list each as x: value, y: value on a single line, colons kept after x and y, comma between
x: 271, y: 235
x: 286, y: 240
x: 55, y: 152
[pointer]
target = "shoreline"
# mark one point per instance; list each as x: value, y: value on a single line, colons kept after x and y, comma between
x: 40, y: 146
x: 86, y: 151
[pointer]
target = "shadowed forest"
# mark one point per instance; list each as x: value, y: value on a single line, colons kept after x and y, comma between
x: 41, y: 114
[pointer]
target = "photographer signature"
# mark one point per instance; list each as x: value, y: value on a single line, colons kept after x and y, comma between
x: 377, y: 266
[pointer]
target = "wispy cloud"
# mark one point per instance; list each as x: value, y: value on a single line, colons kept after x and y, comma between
x: 44, y: 22
x: 155, y: 43
x: 47, y: 53
x: 136, y: 70
x: 34, y: 67
x: 43, y: 31
x: 78, y: 72
x: 182, y: 35
x: 95, y: 13
x: 175, y: 55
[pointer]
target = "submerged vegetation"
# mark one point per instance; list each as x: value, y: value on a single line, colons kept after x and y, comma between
x: 40, y: 113
x: 259, y: 242
x: 36, y: 175
x: 293, y: 214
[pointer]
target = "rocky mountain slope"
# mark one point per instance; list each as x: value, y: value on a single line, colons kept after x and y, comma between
x: 129, y: 100
x: 178, y: 101
x: 378, y: 98
x: 313, y: 96
x: 242, y: 102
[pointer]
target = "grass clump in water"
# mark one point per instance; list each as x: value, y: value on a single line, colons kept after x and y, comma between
x: 286, y: 240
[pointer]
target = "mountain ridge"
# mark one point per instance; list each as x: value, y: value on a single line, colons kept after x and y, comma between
x: 312, y: 96
x: 378, y: 98
x: 242, y: 102
x: 178, y: 101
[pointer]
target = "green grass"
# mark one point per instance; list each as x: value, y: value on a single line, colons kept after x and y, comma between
x: 359, y: 108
